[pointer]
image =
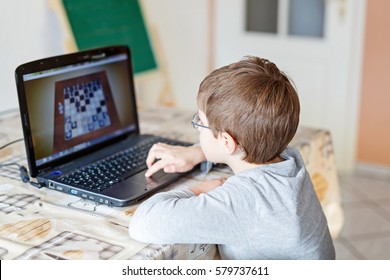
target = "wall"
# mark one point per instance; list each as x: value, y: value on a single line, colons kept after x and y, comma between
x: 374, y: 129
x: 26, y: 34
x: 179, y: 35
x: 178, y: 32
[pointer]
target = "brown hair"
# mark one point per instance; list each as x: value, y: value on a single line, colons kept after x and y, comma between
x: 255, y: 103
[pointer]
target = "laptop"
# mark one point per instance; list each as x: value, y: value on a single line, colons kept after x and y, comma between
x: 81, y: 130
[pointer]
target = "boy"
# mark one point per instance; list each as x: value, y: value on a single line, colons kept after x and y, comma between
x: 248, y: 113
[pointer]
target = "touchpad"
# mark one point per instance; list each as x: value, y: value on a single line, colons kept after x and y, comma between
x: 157, y: 179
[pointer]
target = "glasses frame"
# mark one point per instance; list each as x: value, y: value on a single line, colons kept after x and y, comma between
x: 195, y: 123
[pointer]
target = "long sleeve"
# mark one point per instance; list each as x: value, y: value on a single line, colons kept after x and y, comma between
x: 182, y: 217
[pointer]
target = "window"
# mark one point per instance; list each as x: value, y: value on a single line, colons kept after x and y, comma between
x: 286, y: 17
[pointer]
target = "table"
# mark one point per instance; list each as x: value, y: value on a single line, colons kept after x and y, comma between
x: 45, y: 224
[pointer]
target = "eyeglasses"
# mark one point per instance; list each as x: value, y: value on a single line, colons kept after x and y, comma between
x: 196, y: 122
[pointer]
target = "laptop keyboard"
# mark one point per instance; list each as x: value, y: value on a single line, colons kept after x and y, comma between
x: 113, y: 169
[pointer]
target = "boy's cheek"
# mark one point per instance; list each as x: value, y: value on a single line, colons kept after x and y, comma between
x: 208, y: 147
x: 204, y: 145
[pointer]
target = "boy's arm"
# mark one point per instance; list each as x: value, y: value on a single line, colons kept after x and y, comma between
x: 207, y: 186
x: 183, y: 217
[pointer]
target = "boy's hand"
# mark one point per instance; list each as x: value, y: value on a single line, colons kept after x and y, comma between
x: 172, y: 158
x: 207, y: 186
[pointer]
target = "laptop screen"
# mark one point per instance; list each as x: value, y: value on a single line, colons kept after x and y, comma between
x: 77, y: 106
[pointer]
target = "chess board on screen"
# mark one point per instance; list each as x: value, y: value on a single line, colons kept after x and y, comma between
x: 84, y: 109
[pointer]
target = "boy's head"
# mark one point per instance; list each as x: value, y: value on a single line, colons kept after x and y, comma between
x: 255, y: 103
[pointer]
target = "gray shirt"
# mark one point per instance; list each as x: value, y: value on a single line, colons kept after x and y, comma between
x: 268, y: 212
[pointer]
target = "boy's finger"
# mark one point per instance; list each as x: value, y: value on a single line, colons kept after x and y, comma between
x: 158, y: 165
x: 150, y: 159
x: 151, y: 156
x: 157, y: 151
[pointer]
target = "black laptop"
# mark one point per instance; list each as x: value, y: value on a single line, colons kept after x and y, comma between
x: 81, y: 130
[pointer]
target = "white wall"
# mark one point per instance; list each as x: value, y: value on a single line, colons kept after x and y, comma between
x: 31, y: 30
x: 181, y: 42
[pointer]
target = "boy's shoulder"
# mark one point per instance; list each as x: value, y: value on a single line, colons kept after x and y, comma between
x: 291, y: 161
x: 291, y: 171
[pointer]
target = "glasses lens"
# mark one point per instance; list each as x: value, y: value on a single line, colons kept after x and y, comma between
x: 197, y: 123
x: 195, y: 120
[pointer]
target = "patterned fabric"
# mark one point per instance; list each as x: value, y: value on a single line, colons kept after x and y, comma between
x: 12, y: 171
x: 72, y: 245
x: 15, y: 202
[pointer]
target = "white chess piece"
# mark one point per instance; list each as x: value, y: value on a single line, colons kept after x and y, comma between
x: 60, y: 108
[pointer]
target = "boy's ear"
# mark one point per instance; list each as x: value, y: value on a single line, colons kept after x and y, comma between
x: 228, y: 143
